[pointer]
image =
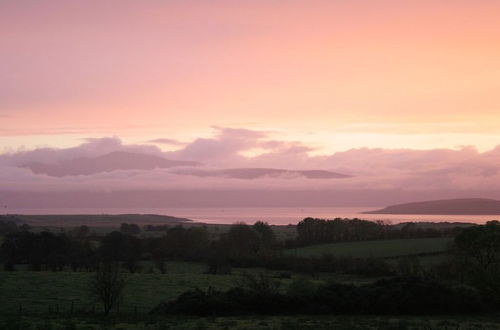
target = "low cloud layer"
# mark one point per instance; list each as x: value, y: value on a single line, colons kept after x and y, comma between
x: 464, y: 172
x: 91, y: 147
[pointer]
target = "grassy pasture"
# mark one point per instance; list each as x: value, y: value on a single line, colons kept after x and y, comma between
x: 38, y: 292
x: 41, y: 292
x: 375, y: 249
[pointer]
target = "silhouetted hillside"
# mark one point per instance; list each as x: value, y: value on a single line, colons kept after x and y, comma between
x: 70, y: 220
x: 466, y: 206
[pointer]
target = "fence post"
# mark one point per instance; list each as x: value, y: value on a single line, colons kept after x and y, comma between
x: 72, y: 307
x: 20, y: 309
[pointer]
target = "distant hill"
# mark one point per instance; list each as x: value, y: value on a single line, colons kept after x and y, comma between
x: 434, y: 225
x: 466, y: 206
x: 118, y: 160
x: 255, y: 173
x: 96, y: 220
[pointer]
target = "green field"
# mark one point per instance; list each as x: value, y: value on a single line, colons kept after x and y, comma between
x: 375, y: 249
x: 46, y: 297
x: 39, y: 292
x: 42, y: 292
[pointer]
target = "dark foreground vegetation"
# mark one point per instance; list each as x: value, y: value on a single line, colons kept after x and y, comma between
x: 245, y: 270
x: 398, y: 296
x: 298, y: 322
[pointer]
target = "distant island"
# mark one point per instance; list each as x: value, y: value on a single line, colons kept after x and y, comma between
x: 465, y: 206
x: 96, y: 220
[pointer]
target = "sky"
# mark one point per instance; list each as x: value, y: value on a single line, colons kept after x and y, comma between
x: 396, y: 94
x: 336, y: 74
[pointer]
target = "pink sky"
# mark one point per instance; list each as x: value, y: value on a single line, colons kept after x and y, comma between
x: 401, y: 95
x: 333, y: 74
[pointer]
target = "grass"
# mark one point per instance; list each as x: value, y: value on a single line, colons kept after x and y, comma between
x: 259, y: 323
x: 43, y: 292
x: 375, y: 249
x: 40, y: 292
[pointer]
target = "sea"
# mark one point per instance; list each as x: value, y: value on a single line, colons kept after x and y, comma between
x: 272, y: 215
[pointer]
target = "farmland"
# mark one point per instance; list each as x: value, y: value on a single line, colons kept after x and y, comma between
x: 39, y: 292
x: 46, y: 299
x: 48, y: 290
x: 42, y: 291
x: 376, y: 249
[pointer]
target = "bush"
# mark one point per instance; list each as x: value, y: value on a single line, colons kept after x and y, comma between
x: 409, y: 295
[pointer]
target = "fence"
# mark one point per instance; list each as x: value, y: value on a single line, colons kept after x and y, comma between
x: 71, y: 309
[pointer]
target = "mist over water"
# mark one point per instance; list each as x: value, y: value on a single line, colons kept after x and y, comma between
x: 273, y: 215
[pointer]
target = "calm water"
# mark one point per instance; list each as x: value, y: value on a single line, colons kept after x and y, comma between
x: 277, y: 216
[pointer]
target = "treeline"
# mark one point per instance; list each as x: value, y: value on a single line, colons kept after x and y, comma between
x: 467, y: 282
x: 319, y: 231
x: 241, y: 246
x: 45, y: 251
x: 7, y: 225
x: 261, y: 295
x: 81, y: 250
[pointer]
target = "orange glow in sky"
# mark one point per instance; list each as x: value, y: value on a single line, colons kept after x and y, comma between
x: 334, y: 74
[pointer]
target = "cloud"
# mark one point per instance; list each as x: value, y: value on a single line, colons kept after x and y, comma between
x: 171, y: 142
x: 227, y: 148
x: 92, y: 147
x: 223, y: 147
x: 460, y: 172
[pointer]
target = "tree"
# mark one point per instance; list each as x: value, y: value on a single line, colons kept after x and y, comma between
x: 217, y: 259
x: 158, y: 258
x: 242, y: 240
x: 478, y: 250
x: 107, y: 285
x: 116, y: 246
x: 480, y: 244
x: 81, y: 232
x: 266, y: 233
x: 25, y: 227
x: 130, y: 229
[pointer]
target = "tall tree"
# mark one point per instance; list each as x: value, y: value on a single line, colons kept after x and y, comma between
x: 107, y: 285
